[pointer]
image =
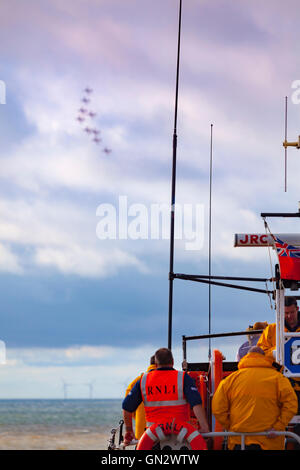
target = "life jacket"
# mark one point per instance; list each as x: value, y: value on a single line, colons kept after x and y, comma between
x: 163, y: 396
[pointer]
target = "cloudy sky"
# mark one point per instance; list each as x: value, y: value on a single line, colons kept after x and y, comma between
x: 84, y: 259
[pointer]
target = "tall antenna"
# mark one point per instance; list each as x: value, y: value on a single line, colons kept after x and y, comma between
x: 285, y: 148
x: 287, y: 144
x: 209, y: 240
x: 172, y: 227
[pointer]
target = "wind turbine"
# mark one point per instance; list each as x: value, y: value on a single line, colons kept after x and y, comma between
x: 65, y: 388
x: 91, y: 388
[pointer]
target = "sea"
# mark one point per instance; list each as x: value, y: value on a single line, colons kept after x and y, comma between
x: 70, y: 424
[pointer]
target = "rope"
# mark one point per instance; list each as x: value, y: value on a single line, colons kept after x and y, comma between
x: 267, y: 228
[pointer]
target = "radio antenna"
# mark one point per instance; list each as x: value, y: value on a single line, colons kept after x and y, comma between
x: 209, y: 239
x: 172, y: 228
x: 285, y: 147
x: 287, y: 144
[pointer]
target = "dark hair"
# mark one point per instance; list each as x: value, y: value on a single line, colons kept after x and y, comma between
x: 152, y: 360
x: 289, y: 301
x: 164, y: 356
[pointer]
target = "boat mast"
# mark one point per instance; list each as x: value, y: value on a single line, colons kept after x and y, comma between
x: 173, y: 191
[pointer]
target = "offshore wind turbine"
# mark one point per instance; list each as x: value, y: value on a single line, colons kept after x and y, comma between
x: 65, y: 388
x: 91, y: 388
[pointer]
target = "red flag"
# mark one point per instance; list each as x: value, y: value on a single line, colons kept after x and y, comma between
x: 289, y: 260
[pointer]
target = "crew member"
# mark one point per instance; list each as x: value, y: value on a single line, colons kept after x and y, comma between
x: 252, y: 339
x: 267, y: 341
x: 167, y: 395
x: 139, y: 414
x: 255, y: 398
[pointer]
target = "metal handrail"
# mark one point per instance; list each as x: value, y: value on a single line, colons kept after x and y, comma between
x: 245, y: 434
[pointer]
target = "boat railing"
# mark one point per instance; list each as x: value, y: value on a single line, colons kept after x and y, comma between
x: 243, y: 435
x: 185, y: 339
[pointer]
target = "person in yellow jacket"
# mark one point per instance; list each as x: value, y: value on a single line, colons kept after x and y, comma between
x: 255, y: 398
x: 267, y: 340
x: 139, y: 414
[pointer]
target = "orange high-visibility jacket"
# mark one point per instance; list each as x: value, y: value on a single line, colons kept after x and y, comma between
x: 255, y: 398
x: 163, y: 396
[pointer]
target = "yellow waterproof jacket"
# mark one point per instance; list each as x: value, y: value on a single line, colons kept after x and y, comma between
x: 139, y: 414
x: 267, y: 342
x: 255, y: 398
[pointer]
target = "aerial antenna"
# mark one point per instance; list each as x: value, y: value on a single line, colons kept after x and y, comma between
x: 285, y: 147
x: 209, y: 240
x: 287, y: 144
x: 172, y: 225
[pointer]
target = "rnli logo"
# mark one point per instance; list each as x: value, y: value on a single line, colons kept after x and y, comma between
x: 171, y: 427
x: 161, y: 390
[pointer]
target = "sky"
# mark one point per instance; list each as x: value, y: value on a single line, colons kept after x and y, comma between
x: 84, y: 253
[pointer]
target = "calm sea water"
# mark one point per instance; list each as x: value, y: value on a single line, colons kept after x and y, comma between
x: 54, y: 416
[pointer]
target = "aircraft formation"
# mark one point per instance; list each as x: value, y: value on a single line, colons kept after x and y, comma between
x: 85, y: 118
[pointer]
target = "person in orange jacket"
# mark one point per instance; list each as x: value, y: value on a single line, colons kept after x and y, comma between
x: 139, y: 414
x: 255, y: 398
x: 166, y: 393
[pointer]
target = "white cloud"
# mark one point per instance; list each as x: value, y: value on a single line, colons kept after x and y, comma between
x: 59, y: 236
x: 40, y: 372
x: 9, y: 262
x: 85, y: 262
x: 88, y: 352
